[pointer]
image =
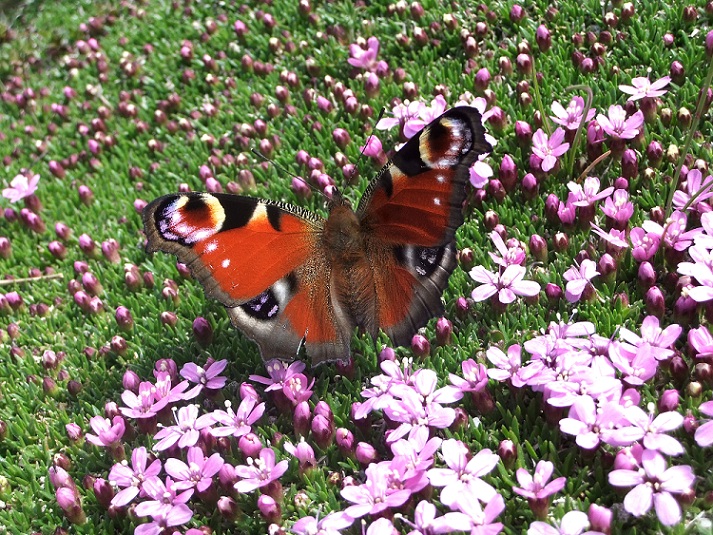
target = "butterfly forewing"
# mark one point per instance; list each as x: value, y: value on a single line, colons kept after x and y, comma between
x: 417, y: 198
x: 236, y: 246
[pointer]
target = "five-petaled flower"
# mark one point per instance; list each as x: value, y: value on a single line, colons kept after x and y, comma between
x: 508, y: 284
x: 21, y: 187
x: 642, y: 87
x: 549, y: 148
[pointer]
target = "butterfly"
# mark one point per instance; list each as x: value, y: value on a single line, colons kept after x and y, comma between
x: 289, y: 277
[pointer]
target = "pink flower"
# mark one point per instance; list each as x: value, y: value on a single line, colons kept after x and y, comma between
x: 618, y: 207
x: 644, y: 244
x: 514, y: 254
x: 695, y: 187
x: 641, y: 87
x: 463, y: 475
x: 651, y: 431
x: 375, y: 495
x: 507, y: 367
x: 426, y: 522
x: 618, y: 126
x: 401, y: 113
x: 549, y: 149
x: 589, y: 193
x: 143, y: 405
x: 578, y: 278
x: 571, y: 117
x: 237, y: 423
x: 652, y: 334
x: 279, y: 372
x: 426, y: 114
x: 198, y: 472
x: 206, y: 378
x: 508, y: 284
x: 21, y: 187
x: 130, y: 480
x: 572, y: 523
x: 591, y: 425
x: 655, y: 485
x: 537, y: 487
x: 482, y: 518
x: 332, y: 524
x: 107, y: 433
x: 704, y: 434
x: 259, y: 472
x: 701, y: 340
x: 674, y: 232
x: 364, y: 58
x: 164, y: 499
x: 186, y: 431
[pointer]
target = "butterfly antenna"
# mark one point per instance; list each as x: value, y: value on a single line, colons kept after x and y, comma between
x: 286, y: 171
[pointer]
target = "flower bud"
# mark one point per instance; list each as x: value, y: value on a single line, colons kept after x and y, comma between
x: 250, y: 445
x: 600, y: 518
x: 322, y: 431
x: 420, y: 345
x: 365, y: 453
x: 301, y: 418
x: 655, y: 302
x: 669, y: 400
x: 482, y: 79
x: 345, y: 441
x: 227, y: 507
x: 269, y: 508
x: 538, y: 247
x: 202, y: 331
x: 444, y: 330
x: 507, y: 451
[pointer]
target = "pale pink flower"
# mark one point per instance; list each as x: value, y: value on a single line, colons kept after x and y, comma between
x: 21, y: 187
x: 571, y: 117
x: 589, y: 193
x: 654, y: 484
x: 618, y: 126
x: 641, y: 87
x: 538, y: 486
x: 549, y: 148
x: 704, y: 434
x: 696, y: 187
x: 578, y: 278
x: 508, y: 284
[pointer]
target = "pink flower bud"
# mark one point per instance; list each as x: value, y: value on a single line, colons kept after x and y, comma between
x: 669, y: 400
x: 365, y: 453
x: 482, y: 79
x: 103, y: 491
x: 322, y: 431
x: 250, y: 445
x: 444, y: 331
x: 301, y: 418
x: 655, y: 302
x: 420, y: 345
x: 130, y: 381
x: 202, y: 331
x: 227, y: 507
x: 269, y: 508
x: 57, y: 249
x: 543, y: 38
x: 517, y: 13
x: 507, y: 451
x: 345, y: 441
x: 600, y: 518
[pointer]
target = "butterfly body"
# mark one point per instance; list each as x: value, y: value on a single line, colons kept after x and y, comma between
x: 288, y: 276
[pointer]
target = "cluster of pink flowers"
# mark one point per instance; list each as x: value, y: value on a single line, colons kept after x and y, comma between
x: 596, y: 379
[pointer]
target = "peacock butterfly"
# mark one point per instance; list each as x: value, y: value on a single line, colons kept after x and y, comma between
x: 288, y: 276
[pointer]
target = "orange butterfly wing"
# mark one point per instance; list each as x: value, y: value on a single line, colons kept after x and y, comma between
x: 259, y: 258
